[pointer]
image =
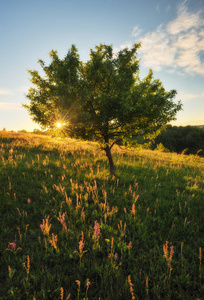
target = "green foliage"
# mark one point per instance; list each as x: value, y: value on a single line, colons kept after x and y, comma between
x: 37, y: 131
x: 160, y: 147
x: 22, y: 130
x: 187, y: 139
x: 73, y: 224
x: 102, y: 100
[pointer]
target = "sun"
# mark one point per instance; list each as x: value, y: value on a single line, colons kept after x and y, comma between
x: 59, y: 125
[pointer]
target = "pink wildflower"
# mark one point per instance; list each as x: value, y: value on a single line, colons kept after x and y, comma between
x: 81, y: 247
x: 81, y: 243
x: 171, y: 255
x: 12, y: 246
x: 53, y: 241
x: 165, y: 250
x: 133, y: 209
x: 62, y: 221
x: 88, y: 284
x: 96, y: 230
x: 45, y: 226
x: 168, y: 256
x: 129, y: 245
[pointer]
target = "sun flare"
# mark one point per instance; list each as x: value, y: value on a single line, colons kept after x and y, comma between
x: 59, y: 125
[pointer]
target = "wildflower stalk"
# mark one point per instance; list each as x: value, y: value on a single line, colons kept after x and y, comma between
x: 131, y: 287
x: 200, y: 259
x: 53, y: 241
x: 147, y: 286
x: 45, y: 226
x: 168, y: 255
x: 96, y: 234
x: 61, y: 219
x: 10, y: 272
x: 129, y: 247
x: 12, y: 247
x: 81, y: 247
x: 111, y: 255
x: 181, y: 255
x: 61, y: 293
x: 87, y: 287
x: 78, y: 290
x: 27, y: 267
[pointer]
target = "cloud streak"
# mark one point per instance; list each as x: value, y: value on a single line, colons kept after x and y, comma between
x: 136, y: 31
x: 188, y: 96
x: 4, y: 92
x: 177, y: 45
x: 10, y: 106
x: 184, y: 21
x: 157, y: 50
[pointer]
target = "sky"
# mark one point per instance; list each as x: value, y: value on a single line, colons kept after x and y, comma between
x: 171, y: 33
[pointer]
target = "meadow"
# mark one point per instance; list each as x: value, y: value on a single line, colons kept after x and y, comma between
x: 71, y: 231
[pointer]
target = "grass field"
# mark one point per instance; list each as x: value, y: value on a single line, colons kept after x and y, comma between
x: 70, y: 231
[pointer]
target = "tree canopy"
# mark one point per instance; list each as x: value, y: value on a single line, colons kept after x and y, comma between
x: 102, y: 99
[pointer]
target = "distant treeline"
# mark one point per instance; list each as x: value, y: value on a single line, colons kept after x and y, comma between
x: 187, y: 139
x: 182, y: 139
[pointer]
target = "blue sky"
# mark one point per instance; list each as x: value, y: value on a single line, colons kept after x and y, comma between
x: 171, y: 33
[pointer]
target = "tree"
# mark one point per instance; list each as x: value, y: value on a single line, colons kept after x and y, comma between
x: 103, y: 99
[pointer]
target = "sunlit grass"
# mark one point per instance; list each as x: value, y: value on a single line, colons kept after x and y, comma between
x: 70, y: 230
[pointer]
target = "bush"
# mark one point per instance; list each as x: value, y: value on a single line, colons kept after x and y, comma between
x: 160, y: 147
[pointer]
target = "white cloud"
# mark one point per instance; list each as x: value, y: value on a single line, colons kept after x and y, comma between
x: 190, y: 61
x: 177, y: 45
x: 189, y: 40
x: 189, y: 46
x: 128, y: 45
x: 184, y: 21
x: 10, y: 105
x: 4, y: 92
x: 201, y: 33
x: 21, y: 89
x: 187, y: 96
x: 116, y: 49
x: 157, y: 50
x: 136, y: 31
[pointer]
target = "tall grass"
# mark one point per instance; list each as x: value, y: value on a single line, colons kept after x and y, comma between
x: 70, y: 231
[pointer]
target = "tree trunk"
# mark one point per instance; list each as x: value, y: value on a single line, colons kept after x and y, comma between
x: 110, y: 159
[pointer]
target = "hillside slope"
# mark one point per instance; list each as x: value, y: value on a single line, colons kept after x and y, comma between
x: 70, y: 231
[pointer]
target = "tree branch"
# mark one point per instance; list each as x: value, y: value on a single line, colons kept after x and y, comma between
x: 115, y: 142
